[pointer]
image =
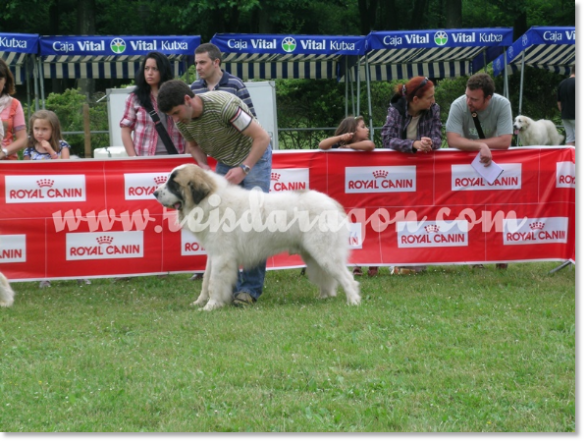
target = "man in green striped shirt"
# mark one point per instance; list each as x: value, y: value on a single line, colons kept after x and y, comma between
x: 220, y: 125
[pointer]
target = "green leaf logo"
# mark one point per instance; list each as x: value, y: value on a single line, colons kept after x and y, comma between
x: 118, y: 46
x: 289, y: 44
x: 440, y: 38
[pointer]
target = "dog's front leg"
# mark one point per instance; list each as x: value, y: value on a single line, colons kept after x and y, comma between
x: 223, y: 275
x: 204, y: 295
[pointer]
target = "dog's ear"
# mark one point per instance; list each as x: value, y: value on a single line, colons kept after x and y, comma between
x: 199, y: 191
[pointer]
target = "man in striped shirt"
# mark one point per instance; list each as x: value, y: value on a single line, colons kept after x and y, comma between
x: 208, y: 58
x: 220, y: 125
x: 212, y: 78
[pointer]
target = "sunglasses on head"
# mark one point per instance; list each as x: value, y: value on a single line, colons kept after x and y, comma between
x: 421, y: 85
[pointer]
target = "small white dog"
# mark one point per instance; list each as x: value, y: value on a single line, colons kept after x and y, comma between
x: 240, y: 227
x: 6, y: 292
x: 536, y: 133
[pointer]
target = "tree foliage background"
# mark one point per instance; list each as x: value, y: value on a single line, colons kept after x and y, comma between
x: 307, y: 103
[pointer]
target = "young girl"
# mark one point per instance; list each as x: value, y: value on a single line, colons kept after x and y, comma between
x: 45, y: 144
x: 351, y: 133
x: 45, y: 138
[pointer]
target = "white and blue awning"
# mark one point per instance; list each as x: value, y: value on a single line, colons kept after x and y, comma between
x: 16, y: 50
x: 440, y: 53
x: 102, y: 57
x: 279, y: 56
x: 552, y: 48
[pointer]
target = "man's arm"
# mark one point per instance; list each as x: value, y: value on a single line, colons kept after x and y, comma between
x: 198, y: 155
x: 459, y: 142
x: 260, y: 143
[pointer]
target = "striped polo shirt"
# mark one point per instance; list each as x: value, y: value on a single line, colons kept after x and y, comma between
x: 215, y: 129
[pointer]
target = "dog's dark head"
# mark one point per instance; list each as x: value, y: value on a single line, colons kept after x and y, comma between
x: 185, y: 188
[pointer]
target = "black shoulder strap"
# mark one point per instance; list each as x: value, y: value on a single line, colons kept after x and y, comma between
x: 171, y: 149
x: 477, y: 124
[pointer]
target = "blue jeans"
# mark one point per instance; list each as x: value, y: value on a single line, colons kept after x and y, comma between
x: 252, y: 280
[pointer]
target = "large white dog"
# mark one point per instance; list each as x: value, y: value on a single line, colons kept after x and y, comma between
x: 537, y: 133
x: 240, y: 227
x: 6, y: 292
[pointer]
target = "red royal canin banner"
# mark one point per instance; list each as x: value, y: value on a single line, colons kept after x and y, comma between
x: 98, y: 218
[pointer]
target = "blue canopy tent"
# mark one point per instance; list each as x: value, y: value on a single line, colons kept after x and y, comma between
x: 263, y: 56
x: 440, y: 53
x: 19, y: 52
x: 552, y: 48
x: 103, y: 57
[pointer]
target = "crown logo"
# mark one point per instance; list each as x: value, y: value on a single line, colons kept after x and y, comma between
x: 45, y: 182
x: 275, y: 176
x: 432, y: 228
x: 537, y: 226
x: 380, y: 174
x: 105, y: 239
x: 160, y: 180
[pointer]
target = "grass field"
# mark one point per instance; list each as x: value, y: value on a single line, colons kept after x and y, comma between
x: 453, y: 349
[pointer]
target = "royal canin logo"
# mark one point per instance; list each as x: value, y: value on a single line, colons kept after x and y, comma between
x: 380, y: 174
x: 432, y: 228
x: 275, y: 176
x: 45, y: 183
x: 105, y: 240
x: 537, y: 226
x: 160, y: 180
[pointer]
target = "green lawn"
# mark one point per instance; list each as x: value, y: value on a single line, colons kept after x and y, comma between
x: 453, y: 349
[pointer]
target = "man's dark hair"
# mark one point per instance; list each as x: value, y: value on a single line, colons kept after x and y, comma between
x: 212, y: 50
x: 481, y: 81
x: 172, y: 94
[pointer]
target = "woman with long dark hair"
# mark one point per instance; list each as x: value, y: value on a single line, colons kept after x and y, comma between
x: 139, y: 134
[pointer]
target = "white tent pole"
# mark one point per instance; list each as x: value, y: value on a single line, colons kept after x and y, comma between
x: 347, y: 77
x: 522, y: 77
x: 35, y: 81
x: 506, y: 74
x: 41, y: 81
x: 352, y: 96
x: 357, y: 90
x: 368, y: 95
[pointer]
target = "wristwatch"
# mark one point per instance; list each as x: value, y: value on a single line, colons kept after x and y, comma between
x: 245, y: 168
x: 5, y: 151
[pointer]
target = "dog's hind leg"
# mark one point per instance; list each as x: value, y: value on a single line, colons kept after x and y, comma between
x: 336, y: 269
x: 315, y: 274
x: 223, y: 276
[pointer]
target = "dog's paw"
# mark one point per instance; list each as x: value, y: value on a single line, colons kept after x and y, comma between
x: 354, y: 301
x: 211, y: 305
x: 198, y: 302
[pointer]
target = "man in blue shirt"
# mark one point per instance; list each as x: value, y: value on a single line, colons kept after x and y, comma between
x: 212, y: 78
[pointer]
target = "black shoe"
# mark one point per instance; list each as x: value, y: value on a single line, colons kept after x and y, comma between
x: 243, y: 300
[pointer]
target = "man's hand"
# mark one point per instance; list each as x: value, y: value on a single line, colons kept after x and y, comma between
x: 235, y: 175
x: 485, y: 155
